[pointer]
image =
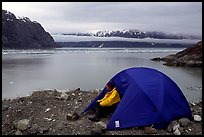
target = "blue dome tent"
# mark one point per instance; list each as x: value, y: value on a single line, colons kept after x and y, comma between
x: 148, y: 97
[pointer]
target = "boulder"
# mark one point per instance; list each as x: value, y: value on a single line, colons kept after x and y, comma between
x: 23, y: 124
x: 184, y: 122
x: 197, y: 118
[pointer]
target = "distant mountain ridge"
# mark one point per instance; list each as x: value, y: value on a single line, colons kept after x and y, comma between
x: 134, y: 33
x: 22, y: 33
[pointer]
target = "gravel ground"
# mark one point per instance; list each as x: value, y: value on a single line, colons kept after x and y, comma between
x: 50, y: 112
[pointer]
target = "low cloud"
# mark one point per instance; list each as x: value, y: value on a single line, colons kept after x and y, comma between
x: 63, y: 17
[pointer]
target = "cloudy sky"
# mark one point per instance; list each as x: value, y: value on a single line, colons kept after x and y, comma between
x: 64, y: 17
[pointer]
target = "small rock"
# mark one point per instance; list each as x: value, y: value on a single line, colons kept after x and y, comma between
x: 73, y: 94
x: 80, y: 100
x: 184, y: 122
x: 23, y: 124
x: 193, y: 103
x: 150, y: 130
x: 171, y: 125
x: 102, y: 124
x: 59, y: 125
x: 69, y: 116
x: 72, y: 116
x: 177, y: 132
x: 77, y: 89
x: 156, y: 59
x: 4, y: 108
x: 176, y: 127
x: 80, y: 93
x: 15, y: 123
x: 34, y: 129
x: 48, y: 109
x: 197, y: 118
x: 43, y: 130
x: 97, y: 131
x: 49, y: 119
x: 18, y: 132
x: 64, y: 96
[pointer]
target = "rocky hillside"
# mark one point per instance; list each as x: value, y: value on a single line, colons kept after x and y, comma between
x: 190, y: 57
x: 22, y: 33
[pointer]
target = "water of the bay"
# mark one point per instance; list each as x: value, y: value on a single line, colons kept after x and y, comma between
x: 25, y: 71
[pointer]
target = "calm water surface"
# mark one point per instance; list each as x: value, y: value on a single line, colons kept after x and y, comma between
x: 89, y: 69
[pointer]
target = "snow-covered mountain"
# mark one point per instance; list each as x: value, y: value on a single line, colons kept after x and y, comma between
x: 133, y: 33
x: 124, y: 38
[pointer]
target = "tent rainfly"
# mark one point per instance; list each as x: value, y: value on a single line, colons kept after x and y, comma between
x: 148, y: 97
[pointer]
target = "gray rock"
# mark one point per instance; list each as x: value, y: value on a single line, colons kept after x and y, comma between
x: 97, y: 131
x: 34, y: 129
x: 15, y: 123
x: 18, y: 132
x: 23, y: 124
x: 64, y: 96
x: 171, y: 125
x: 73, y: 116
x: 43, y: 130
x: 5, y: 107
x: 176, y: 127
x: 101, y: 124
x: 59, y: 125
x: 177, y: 132
x: 184, y: 122
x: 197, y: 118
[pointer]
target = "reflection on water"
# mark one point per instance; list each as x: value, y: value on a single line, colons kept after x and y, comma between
x: 24, y: 73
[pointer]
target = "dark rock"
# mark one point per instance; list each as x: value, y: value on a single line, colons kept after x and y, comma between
x: 23, y: 33
x: 18, y: 132
x: 190, y: 57
x: 14, y: 124
x: 77, y: 89
x: 184, y: 122
x: 4, y: 108
x: 97, y: 131
x: 156, y: 59
x: 73, y: 116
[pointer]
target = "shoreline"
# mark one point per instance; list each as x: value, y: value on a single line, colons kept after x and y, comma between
x: 49, y: 112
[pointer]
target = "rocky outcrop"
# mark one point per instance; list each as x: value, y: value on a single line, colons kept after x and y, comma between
x: 22, y: 33
x: 190, y: 57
